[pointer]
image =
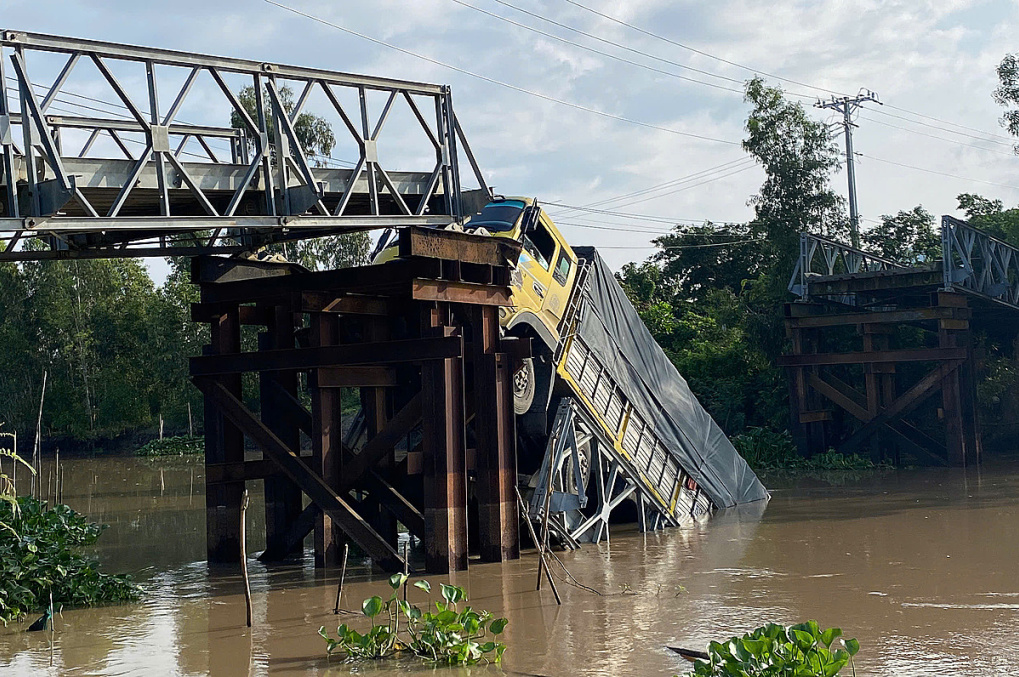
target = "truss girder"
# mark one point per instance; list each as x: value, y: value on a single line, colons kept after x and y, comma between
x: 270, y: 188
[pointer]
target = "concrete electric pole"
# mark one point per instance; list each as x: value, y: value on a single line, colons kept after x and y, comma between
x: 847, y: 105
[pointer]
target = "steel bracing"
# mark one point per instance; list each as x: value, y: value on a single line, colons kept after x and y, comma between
x: 972, y: 262
x: 239, y: 187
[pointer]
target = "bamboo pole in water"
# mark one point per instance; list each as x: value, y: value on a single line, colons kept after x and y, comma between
x: 36, y: 461
x: 244, y: 559
x: 343, y: 573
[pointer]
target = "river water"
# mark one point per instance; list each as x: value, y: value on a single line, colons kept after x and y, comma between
x: 919, y: 565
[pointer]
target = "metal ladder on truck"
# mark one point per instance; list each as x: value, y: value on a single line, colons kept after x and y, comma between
x: 602, y: 451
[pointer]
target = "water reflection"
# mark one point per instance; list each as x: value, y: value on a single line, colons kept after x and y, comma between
x: 917, y: 564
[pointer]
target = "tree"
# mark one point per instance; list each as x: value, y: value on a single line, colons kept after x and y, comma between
x: 1007, y: 93
x: 798, y: 156
x: 991, y: 217
x: 907, y: 237
x: 314, y: 133
x: 317, y: 140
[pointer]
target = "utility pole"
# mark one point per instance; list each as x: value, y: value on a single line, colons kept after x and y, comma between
x: 847, y: 105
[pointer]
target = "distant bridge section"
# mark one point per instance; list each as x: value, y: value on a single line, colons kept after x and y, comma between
x: 881, y: 357
x: 132, y: 177
x: 972, y: 262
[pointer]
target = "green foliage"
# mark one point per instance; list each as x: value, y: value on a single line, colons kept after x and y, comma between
x: 1007, y: 93
x: 449, y: 635
x: 803, y: 650
x: 317, y: 140
x: 172, y: 446
x: 115, y: 347
x: 798, y: 156
x: 773, y: 451
x: 908, y: 237
x: 38, y: 556
x: 8, y: 493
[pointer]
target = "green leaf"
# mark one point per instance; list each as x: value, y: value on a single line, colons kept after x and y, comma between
x: 498, y: 625
x: 829, y: 635
x: 423, y: 585
x: 450, y: 593
x: 852, y: 646
x: 372, y: 606
x: 396, y: 580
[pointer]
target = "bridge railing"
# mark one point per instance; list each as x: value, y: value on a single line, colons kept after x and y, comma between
x: 978, y: 263
x: 122, y: 165
x: 820, y: 256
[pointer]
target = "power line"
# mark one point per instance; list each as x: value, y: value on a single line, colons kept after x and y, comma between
x: 662, y: 186
x: 931, y: 171
x: 697, y: 51
x: 946, y: 122
x: 608, y: 42
x: 500, y: 83
x: 784, y: 79
x: 935, y: 136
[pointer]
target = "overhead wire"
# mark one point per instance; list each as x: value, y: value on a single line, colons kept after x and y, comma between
x: 932, y: 171
x: 605, y: 41
x: 984, y: 134
x: 675, y: 43
x: 501, y: 83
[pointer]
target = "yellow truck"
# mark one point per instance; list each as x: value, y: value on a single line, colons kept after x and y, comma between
x: 604, y: 419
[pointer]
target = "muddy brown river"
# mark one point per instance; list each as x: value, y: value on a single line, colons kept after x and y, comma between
x: 920, y: 565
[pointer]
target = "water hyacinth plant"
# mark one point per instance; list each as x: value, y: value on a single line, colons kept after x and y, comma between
x: 803, y: 650
x: 38, y: 557
x: 451, y: 635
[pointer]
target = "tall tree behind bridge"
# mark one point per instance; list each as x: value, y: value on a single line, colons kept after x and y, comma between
x: 317, y: 140
x: 712, y: 294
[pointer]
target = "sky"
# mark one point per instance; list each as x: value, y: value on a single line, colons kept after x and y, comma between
x: 591, y: 128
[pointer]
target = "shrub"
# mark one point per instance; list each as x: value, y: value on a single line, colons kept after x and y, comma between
x: 802, y: 650
x: 450, y: 636
x: 37, y: 557
x: 173, y: 446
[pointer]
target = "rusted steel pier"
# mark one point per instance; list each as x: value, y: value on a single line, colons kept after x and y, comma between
x: 882, y: 358
x: 419, y: 339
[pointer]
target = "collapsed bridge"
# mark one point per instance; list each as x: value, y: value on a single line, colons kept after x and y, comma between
x: 432, y: 447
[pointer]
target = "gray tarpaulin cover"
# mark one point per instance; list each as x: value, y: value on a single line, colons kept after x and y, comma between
x: 615, y: 333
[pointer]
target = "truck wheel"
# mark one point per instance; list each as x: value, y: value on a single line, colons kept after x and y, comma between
x: 523, y: 387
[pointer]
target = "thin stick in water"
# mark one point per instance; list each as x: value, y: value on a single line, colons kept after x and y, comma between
x: 343, y: 573
x: 534, y: 537
x: 406, y: 566
x: 244, y: 559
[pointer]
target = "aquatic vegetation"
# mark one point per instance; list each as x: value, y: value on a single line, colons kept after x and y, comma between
x: 773, y: 451
x: 450, y: 635
x: 803, y: 650
x: 173, y: 446
x: 38, y: 556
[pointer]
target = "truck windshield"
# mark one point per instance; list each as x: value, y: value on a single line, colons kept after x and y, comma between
x: 498, y: 217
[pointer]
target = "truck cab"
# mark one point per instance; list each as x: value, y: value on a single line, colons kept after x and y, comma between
x: 545, y: 272
x: 541, y: 287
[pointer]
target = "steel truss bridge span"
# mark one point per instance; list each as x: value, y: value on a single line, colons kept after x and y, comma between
x: 143, y: 181
x: 972, y: 262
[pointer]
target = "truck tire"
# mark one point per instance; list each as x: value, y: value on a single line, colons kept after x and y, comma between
x: 524, y: 387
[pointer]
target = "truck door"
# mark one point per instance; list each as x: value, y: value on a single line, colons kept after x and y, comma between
x: 550, y: 269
